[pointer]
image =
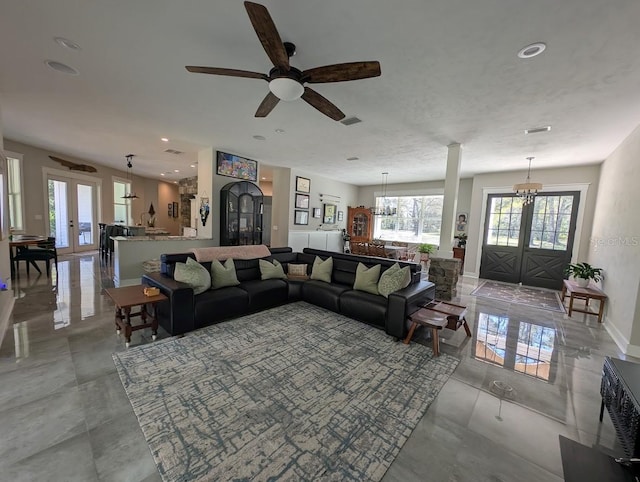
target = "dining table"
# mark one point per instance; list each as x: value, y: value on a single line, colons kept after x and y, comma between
x: 396, y: 252
x: 23, y: 241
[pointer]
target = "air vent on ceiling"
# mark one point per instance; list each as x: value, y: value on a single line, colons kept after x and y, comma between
x: 536, y: 130
x: 173, y: 151
x: 349, y: 121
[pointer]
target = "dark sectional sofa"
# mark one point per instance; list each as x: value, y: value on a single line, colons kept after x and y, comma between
x: 184, y: 312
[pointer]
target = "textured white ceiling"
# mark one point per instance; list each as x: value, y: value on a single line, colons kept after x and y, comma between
x: 449, y: 74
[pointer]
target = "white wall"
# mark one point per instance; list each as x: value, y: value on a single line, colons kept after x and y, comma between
x: 504, y: 181
x: 615, y: 243
x: 6, y: 297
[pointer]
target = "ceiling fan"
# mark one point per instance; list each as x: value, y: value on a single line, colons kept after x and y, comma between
x: 287, y: 82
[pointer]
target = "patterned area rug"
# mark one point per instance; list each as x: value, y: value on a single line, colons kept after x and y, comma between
x: 292, y: 393
x: 522, y: 295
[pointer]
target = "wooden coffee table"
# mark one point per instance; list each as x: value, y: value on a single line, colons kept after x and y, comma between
x: 125, y: 299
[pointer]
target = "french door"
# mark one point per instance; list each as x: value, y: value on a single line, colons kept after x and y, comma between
x: 529, y: 243
x: 72, y: 213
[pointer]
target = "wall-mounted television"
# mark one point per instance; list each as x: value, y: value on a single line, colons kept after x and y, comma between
x: 231, y: 165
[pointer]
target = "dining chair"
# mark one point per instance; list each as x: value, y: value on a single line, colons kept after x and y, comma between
x: 44, y: 251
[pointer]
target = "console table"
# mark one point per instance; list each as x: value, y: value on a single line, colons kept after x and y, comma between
x: 586, y: 464
x: 620, y: 388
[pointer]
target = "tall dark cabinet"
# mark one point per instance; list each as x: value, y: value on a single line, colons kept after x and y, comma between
x: 241, y: 209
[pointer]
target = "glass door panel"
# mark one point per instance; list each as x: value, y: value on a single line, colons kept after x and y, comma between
x: 59, y: 214
x: 86, y: 233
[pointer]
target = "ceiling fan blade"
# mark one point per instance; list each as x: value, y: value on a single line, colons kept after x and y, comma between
x: 314, y: 99
x: 268, y: 35
x: 229, y: 72
x: 342, y: 72
x: 267, y: 105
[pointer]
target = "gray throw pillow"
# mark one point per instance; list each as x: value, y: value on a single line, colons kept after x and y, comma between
x: 367, y: 279
x: 223, y: 275
x: 271, y: 271
x: 394, y: 279
x: 322, y: 269
x: 194, y: 274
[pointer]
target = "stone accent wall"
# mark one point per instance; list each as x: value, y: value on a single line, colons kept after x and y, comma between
x: 444, y: 272
x: 187, y: 188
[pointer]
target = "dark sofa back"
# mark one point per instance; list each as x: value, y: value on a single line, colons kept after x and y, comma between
x: 345, y: 264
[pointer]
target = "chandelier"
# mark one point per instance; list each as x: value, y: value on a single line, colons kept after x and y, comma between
x: 527, y: 190
x: 381, y: 209
x: 131, y: 194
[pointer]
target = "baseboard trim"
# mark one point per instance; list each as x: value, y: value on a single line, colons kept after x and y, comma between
x: 620, y: 340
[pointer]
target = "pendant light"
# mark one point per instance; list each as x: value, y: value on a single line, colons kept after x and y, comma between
x: 527, y: 190
x: 380, y: 209
x: 131, y: 194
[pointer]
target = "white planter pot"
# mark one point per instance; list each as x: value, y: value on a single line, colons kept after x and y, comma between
x: 581, y: 282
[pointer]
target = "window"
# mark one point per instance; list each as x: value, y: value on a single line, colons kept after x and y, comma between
x: 504, y: 221
x: 16, y: 200
x: 551, y: 222
x: 417, y: 219
x: 121, y: 207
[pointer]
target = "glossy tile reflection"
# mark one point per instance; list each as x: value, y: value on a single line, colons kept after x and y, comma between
x: 525, y: 376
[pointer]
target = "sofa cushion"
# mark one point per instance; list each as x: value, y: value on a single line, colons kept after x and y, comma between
x: 325, y: 295
x: 367, y: 278
x: 221, y: 304
x: 363, y: 306
x: 193, y: 274
x: 321, y: 270
x: 394, y: 279
x: 222, y: 276
x: 269, y: 270
x: 265, y: 294
x: 297, y: 269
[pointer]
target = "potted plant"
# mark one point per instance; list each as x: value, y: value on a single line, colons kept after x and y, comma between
x: 583, y: 272
x: 425, y: 249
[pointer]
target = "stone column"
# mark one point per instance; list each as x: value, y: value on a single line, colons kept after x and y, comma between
x: 451, y: 184
x: 443, y: 272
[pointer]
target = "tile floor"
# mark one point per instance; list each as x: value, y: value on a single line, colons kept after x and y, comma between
x: 65, y: 417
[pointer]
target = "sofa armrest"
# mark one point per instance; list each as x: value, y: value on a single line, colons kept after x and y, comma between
x: 177, y: 315
x: 404, y: 302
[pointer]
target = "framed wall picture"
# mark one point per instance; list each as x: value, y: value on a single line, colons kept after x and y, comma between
x: 231, y: 165
x: 302, y: 201
x: 301, y: 217
x: 340, y: 215
x: 316, y: 212
x: 175, y: 210
x: 329, y: 215
x: 461, y: 223
x: 303, y: 184
x: 170, y: 210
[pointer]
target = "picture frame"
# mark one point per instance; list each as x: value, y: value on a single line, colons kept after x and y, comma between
x: 303, y: 184
x: 301, y: 217
x: 302, y: 201
x: 230, y: 165
x: 170, y: 210
x: 316, y: 212
x: 175, y: 210
x: 329, y: 214
x: 461, y: 222
x: 340, y: 215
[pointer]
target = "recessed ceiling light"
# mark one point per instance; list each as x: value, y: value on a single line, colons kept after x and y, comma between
x: 192, y: 165
x: 263, y: 178
x: 66, y: 43
x: 259, y: 138
x: 176, y: 170
x: 60, y: 67
x: 175, y: 182
x: 280, y: 131
x: 164, y: 139
x: 532, y: 50
x: 535, y: 130
x: 352, y: 158
x: 162, y: 173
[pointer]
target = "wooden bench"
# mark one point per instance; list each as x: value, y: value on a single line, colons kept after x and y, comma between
x: 590, y: 292
x: 437, y: 315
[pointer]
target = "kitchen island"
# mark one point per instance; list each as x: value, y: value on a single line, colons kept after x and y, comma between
x: 131, y: 252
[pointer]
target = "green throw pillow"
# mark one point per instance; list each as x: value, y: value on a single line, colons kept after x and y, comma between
x: 322, y: 269
x: 194, y: 274
x: 394, y: 279
x: 271, y: 271
x: 367, y: 279
x: 223, y: 275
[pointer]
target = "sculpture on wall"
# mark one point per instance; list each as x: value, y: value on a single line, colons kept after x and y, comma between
x: 204, y: 210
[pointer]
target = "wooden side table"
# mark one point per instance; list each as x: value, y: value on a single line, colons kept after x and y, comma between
x: 422, y: 317
x: 591, y: 292
x: 125, y: 299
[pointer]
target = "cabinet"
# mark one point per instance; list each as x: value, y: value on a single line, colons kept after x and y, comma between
x: 360, y: 224
x: 241, y: 209
x: 459, y: 254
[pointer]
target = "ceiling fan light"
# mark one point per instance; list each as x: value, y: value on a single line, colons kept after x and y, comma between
x: 286, y: 89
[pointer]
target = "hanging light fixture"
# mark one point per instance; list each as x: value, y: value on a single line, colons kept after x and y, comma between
x: 381, y: 209
x: 527, y: 190
x: 131, y: 194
